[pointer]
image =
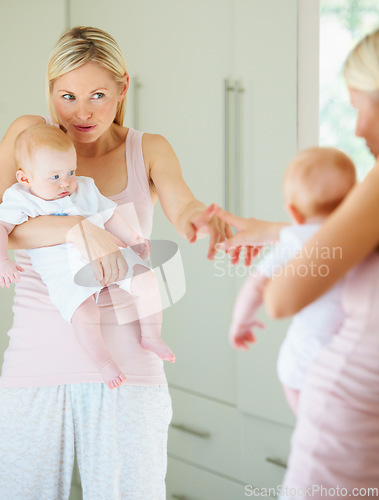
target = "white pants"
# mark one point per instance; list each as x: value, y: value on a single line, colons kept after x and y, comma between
x: 120, y: 438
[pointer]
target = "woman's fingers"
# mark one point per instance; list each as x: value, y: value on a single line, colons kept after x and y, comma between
x: 191, y: 232
x: 208, y: 214
x: 110, y: 269
x: 198, y: 223
x: 256, y: 251
x: 235, y: 254
x: 217, y: 222
x: 122, y: 268
x: 216, y: 235
x: 213, y: 240
x: 102, y: 250
x: 251, y: 231
x: 227, y: 217
x: 114, y: 268
x: 98, y: 270
x: 228, y: 231
x: 239, y: 239
x: 248, y: 255
x: 217, y: 229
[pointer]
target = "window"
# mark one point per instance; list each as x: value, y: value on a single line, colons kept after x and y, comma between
x: 342, y: 24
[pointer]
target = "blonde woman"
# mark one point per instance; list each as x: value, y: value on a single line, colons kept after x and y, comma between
x: 335, y: 446
x: 52, y: 399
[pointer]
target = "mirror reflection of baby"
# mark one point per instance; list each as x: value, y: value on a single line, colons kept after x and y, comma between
x: 47, y: 185
x: 315, y: 183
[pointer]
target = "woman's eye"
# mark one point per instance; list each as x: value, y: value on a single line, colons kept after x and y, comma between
x: 55, y: 177
x: 68, y: 97
x: 98, y: 95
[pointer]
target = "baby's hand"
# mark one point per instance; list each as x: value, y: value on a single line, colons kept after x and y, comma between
x: 241, y: 336
x: 139, y: 244
x: 9, y: 273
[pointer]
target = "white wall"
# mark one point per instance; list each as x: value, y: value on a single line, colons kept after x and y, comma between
x: 28, y: 31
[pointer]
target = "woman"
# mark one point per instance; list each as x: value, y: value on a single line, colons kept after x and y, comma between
x: 335, y: 446
x: 52, y: 400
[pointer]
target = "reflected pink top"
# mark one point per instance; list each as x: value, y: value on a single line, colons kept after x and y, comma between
x: 43, y: 349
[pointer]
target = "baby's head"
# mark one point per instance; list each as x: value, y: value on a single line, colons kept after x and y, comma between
x: 46, y: 162
x: 316, y: 182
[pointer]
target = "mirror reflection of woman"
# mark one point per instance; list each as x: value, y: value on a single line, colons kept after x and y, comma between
x: 52, y: 401
x: 336, y: 439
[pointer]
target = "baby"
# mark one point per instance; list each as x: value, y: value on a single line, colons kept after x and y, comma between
x: 47, y: 185
x: 315, y: 183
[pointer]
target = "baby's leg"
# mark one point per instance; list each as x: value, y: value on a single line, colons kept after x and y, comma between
x: 292, y: 396
x: 86, y: 321
x: 144, y: 286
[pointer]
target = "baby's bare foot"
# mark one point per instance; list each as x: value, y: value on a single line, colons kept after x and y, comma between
x: 160, y: 348
x: 112, y: 375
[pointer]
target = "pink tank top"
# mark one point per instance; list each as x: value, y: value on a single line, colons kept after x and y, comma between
x: 43, y: 349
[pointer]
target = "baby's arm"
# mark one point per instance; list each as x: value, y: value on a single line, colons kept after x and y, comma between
x: 248, y: 301
x: 9, y: 270
x: 120, y: 227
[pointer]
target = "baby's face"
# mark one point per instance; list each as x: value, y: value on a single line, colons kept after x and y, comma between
x: 53, y: 174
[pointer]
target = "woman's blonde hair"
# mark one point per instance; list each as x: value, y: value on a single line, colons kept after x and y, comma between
x: 361, y: 68
x: 79, y: 46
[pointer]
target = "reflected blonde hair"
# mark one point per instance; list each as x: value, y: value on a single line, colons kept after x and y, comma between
x: 361, y: 68
x: 79, y: 46
x: 317, y: 180
x: 39, y: 136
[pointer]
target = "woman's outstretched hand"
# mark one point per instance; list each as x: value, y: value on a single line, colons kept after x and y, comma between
x: 251, y: 233
x: 207, y: 222
x: 101, y: 249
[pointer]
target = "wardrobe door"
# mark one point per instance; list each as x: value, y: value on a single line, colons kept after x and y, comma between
x: 266, y: 69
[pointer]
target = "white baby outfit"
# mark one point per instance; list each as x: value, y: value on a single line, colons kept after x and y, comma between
x: 58, y: 264
x: 314, y: 326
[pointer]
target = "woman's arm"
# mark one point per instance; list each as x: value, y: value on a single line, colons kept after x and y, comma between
x: 345, y: 239
x: 42, y: 231
x: 188, y: 215
x: 253, y: 232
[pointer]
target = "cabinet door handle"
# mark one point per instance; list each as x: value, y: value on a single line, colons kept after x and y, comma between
x: 136, y: 112
x: 276, y: 461
x: 228, y: 87
x: 180, y: 497
x: 189, y: 430
x: 238, y: 148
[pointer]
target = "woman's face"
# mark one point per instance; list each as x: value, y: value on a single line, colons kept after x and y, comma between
x: 85, y: 100
x: 368, y: 118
